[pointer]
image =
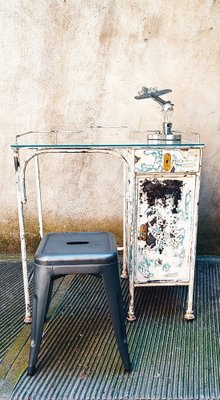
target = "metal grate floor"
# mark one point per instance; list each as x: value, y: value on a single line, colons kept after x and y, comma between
x: 171, y: 358
x: 11, y: 303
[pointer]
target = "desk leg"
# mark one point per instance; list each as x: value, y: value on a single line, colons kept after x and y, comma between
x: 27, y: 318
x: 189, y: 315
x: 38, y: 192
x: 124, y: 273
x: 131, y: 315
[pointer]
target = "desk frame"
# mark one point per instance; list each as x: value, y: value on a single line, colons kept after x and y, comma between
x: 126, y: 152
x: 20, y: 171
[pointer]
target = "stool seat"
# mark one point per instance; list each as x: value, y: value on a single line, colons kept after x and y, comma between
x: 76, y: 248
x: 61, y: 254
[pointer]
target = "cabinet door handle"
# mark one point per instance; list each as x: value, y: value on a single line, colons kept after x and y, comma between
x: 167, y: 162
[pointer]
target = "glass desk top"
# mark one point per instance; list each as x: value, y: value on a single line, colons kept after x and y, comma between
x: 97, y: 137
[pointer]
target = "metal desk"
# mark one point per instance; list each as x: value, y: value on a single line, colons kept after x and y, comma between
x: 144, y: 167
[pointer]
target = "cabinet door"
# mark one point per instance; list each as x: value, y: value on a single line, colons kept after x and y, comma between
x: 165, y: 208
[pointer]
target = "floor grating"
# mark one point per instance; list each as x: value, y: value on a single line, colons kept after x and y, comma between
x: 171, y: 358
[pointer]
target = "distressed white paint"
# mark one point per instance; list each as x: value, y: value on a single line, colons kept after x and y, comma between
x: 167, y: 258
x: 70, y: 63
x: 164, y: 212
x: 151, y: 160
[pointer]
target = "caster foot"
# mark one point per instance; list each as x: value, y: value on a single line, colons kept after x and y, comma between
x: 189, y: 316
x: 131, y: 317
x: 31, y: 371
x: 124, y: 275
x: 28, y: 319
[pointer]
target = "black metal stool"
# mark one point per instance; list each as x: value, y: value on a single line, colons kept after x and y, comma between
x: 62, y: 254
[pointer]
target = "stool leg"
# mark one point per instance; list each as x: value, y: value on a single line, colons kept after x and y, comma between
x: 42, y: 286
x: 49, y: 298
x: 114, y: 296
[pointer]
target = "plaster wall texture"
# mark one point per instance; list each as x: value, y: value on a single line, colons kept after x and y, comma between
x: 72, y: 63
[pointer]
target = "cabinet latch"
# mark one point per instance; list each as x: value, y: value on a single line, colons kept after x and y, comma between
x: 167, y: 162
x: 143, y: 232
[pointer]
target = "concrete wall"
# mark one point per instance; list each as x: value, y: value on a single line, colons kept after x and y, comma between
x: 70, y: 63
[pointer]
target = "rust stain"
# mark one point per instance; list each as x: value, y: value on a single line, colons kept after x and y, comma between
x: 151, y: 28
x: 143, y: 232
x: 162, y: 190
x: 157, y: 194
x: 148, y: 237
x: 106, y: 34
x: 61, y: 17
x: 216, y: 3
x: 107, y: 29
x: 59, y: 39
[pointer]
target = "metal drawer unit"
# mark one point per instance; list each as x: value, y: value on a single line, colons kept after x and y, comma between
x: 164, y: 209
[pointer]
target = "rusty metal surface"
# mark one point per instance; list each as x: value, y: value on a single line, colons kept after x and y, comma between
x: 165, y: 209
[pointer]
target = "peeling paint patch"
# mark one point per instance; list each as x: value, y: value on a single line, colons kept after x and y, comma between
x: 160, y: 191
x: 164, y: 228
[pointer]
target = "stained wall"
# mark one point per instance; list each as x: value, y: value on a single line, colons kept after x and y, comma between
x: 69, y: 64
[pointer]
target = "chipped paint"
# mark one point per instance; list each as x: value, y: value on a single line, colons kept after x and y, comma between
x: 156, y: 190
x: 164, y: 208
x: 163, y: 214
x: 181, y: 160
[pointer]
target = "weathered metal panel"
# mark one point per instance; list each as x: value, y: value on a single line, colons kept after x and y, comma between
x: 164, y: 228
x: 181, y: 160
